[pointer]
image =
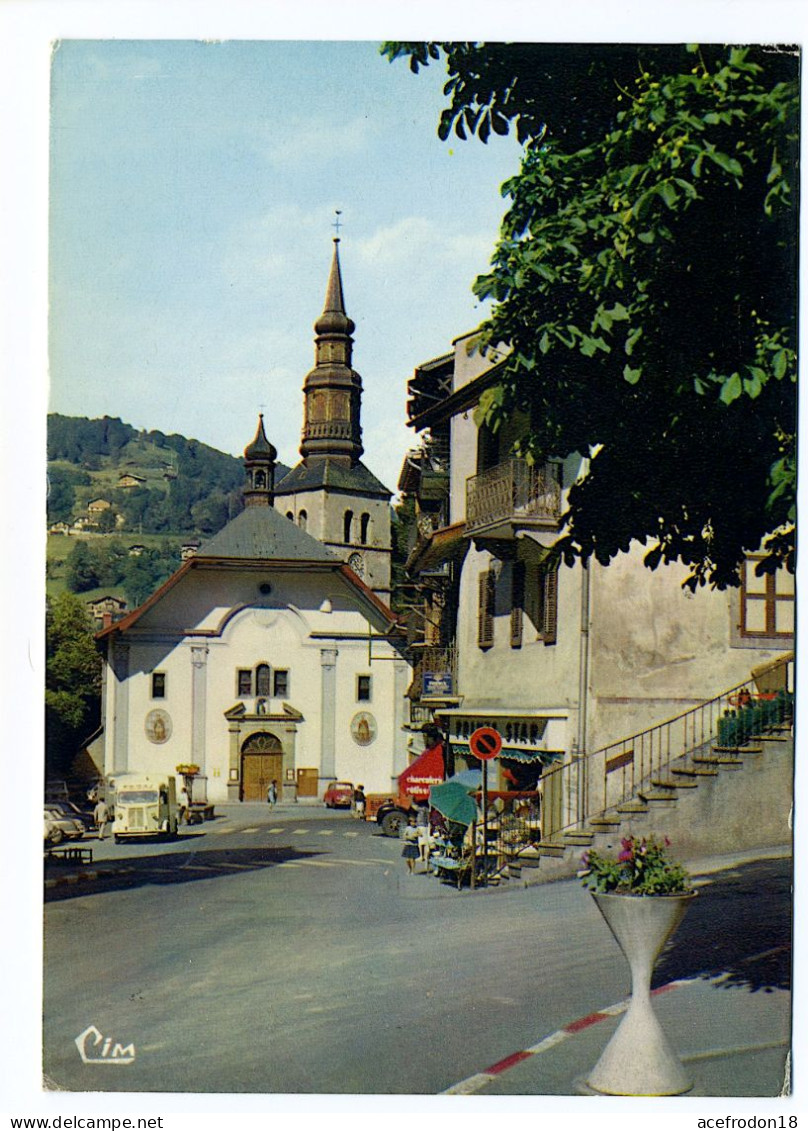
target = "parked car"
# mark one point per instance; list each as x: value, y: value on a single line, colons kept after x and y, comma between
x: 339, y: 795
x: 75, y: 812
x: 58, y: 827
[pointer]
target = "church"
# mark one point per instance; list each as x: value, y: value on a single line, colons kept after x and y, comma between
x: 271, y: 654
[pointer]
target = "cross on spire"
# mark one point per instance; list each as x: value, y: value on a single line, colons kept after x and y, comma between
x: 337, y: 223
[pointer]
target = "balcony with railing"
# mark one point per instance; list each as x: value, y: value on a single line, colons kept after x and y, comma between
x: 512, y: 496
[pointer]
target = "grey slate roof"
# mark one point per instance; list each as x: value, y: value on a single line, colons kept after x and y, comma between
x: 262, y: 533
x: 336, y: 475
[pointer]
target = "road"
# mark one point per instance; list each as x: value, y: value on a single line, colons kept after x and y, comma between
x: 292, y: 953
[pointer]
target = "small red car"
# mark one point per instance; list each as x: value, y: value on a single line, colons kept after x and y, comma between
x: 338, y: 795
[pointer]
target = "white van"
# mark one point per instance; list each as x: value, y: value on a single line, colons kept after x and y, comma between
x: 145, y: 806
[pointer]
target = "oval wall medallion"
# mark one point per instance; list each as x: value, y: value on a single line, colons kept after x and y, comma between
x: 158, y: 726
x: 363, y: 728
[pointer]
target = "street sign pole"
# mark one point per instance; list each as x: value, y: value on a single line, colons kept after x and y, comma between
x: 484, y: 743
x: 485, y: 823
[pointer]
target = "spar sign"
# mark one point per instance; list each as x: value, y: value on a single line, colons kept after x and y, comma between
x: 485, y: 743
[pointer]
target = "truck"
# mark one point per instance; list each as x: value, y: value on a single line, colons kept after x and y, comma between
x: 145, y: 806
x: 414, y: 784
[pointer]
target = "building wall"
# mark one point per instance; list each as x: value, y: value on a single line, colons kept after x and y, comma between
x: 292, y: 630
x: 325, y: 514
x: 654, y: 649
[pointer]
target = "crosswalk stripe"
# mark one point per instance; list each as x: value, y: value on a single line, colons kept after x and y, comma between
x: 275, y: 830
x: 300, y: 830
x: 325, y: 832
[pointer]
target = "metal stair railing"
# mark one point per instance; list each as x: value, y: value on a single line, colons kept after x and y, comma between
x: 589, y: 787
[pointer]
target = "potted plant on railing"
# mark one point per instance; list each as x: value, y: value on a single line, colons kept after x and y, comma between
x: 643, y: 897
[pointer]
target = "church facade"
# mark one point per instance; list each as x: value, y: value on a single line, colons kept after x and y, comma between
x: 271, y: 654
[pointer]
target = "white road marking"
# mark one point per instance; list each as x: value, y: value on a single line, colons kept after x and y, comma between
x: 275, y: 830
x: 350, y: 834
x: 325, y: 832
x: 300, y: 830
x: 250, y: 830
x: 222, y: 832
x: 318, y: 863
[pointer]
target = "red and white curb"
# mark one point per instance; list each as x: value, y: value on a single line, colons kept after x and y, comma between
x: 475, y: 1083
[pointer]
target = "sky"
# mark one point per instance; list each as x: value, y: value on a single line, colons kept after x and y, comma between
x: 194, y: 187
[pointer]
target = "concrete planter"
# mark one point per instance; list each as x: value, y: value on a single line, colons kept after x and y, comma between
x: 638, y: 1061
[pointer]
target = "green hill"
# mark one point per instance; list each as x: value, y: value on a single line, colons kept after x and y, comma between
x: 160, y: 491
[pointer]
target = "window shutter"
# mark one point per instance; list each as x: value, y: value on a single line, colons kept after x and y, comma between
x: 485, y: 610
x: 550, y: 618
x: 517, y: 603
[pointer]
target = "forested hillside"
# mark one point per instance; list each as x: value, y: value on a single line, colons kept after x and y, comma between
x: 150, y: 489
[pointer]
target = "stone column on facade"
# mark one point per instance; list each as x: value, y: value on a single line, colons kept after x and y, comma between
x: 401, y: 680
x: 328, y: 715
x: 119, y: 662
x: 234, y: 761
x: 199, y: 662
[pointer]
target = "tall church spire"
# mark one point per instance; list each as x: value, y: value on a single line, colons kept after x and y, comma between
x: 333, y: 390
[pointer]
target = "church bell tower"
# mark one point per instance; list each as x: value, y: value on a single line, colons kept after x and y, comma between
x: 331, y: 493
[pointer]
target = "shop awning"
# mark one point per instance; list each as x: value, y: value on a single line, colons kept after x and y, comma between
x: 427, y: 770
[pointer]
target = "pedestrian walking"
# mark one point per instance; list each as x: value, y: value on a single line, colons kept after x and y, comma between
x: 359, y: 802
x: 409, y: 852
x: 101, y: 818
x: 272, y: 793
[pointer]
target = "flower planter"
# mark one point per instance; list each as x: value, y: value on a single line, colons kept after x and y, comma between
x: 638, y: 1061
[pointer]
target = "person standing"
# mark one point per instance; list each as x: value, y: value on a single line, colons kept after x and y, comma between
x: 422, y: 824
x: 183, y: 802
x: 359, y: 802
x: 101, y: 817
x: 272, y: 794
x: 409, y: 834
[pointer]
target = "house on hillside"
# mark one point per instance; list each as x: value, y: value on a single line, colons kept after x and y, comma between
x: 562, y: 660
x: 130, y: 479
x: 97, y: 507
x: 106, y: 609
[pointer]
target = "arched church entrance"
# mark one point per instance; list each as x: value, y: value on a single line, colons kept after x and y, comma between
x: 261, y: 763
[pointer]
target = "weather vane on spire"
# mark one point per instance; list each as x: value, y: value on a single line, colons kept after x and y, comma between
x: 337, y: 223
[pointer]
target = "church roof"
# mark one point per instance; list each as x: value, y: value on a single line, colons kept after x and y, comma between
x: 262, y: 533
x: 334, y: 474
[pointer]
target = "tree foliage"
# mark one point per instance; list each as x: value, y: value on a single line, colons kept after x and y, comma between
x: 107, y: 564
x: 72, y: 679
x: 645, y: 280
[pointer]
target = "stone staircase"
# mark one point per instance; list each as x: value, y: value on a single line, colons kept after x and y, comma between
x: 667, y: 805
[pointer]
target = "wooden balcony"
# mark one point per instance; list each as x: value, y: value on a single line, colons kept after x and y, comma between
x: 511, y: 496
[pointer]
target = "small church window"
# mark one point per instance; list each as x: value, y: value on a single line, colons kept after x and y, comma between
x: 290, y: 516
x: 262, y: 684
x: 364, y: 529
x: 244, y: 683
x: 347, y: 523
x: 302, y: 519
x: 280, y: 683
x: 363, y: 688
x: 260, y: 479
x: 158, y: 685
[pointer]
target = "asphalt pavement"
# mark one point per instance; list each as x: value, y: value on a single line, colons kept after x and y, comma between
x: 730, y: 1024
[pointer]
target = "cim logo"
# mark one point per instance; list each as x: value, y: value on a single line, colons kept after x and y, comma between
x: 91, y: 1039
